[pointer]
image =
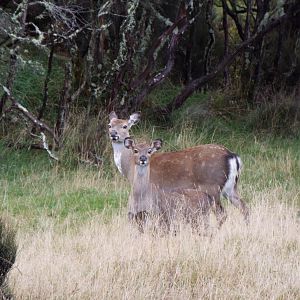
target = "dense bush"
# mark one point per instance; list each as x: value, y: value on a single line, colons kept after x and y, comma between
x: 8, y: 250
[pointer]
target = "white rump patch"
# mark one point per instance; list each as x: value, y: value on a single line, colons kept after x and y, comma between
x: 234, y: 172
x: 240, y: 165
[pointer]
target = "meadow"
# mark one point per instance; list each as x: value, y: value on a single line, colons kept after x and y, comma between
x: 72, y: 234
x: 74, y: 240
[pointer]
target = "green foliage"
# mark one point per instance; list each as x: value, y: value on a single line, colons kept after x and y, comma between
x: 276, y: 113
x: 29, y: 84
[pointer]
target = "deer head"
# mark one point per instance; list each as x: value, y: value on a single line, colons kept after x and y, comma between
x: 142, y: 152
x: 119, y: 128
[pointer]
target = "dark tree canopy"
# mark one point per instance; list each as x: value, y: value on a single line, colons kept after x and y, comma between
x: 115, y: 53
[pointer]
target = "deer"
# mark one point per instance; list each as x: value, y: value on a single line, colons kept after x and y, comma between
x: 202, y: 165
x: 147, y: 199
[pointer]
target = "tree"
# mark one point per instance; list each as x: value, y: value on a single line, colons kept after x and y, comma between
x: 117, y: 52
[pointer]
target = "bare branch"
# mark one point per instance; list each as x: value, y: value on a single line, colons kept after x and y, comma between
x: 157, y: 14
x: 31, y: 117
x: 151, y: 55
x: 197, y: 83
x: 235, y: 18
x: 182, y: 24
x: 45, y: 145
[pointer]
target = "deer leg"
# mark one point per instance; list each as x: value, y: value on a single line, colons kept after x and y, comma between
x: 220, y: 213
x: 236, y: 200
x: 140, y: 219
x: 164, y: 223
x: 205, y: 211
x: 205, y: 220
x: 199, y: 217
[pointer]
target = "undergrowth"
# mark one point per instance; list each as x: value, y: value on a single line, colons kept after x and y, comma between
x: 32, y: 184
x: 73, y: 236
x: 8, y: 252
x: 75, y: 241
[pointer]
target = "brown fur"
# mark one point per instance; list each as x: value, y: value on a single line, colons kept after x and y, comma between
x: 203, y: 165
x: 188, y: 168
x: 148, y: 198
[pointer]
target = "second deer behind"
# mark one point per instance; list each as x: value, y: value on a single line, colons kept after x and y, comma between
x: 167, y: 204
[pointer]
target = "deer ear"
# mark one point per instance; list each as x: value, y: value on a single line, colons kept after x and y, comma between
x: 157, y: 144
x: 112, y: 115
x: 129, y: 143
x: 134, y: 118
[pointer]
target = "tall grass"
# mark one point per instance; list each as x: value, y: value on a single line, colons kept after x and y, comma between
x: 110, y: 260
x: 74, y: 239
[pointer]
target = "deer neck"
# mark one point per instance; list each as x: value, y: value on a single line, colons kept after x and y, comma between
x: 141, y: 179
x: 122, y: 158
x: 141, y: 193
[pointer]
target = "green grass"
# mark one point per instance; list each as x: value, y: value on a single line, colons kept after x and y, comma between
x: 45, y: 198
x: 168, y: 91
x: 74, y: 240
x: 32, y: 185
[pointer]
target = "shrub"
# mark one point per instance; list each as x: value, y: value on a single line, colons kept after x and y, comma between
x: 8, y: 249
x: 84, y: 139
x: 275, y: 112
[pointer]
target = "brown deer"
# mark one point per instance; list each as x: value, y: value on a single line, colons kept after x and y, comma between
x: 148, y: 199
x: 202, y: 165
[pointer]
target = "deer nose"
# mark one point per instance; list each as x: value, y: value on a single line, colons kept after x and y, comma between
x: 114, y: 135
x: 143, y: 159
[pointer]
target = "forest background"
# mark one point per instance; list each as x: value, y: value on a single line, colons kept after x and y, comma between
x: 211, y: 71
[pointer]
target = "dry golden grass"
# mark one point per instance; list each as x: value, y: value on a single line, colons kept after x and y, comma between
x: 69, y: 248
x: 108, y: 259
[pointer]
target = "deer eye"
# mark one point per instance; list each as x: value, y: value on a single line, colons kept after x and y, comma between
x: 150, y: 151
x: 136, y: 151
x: 125, y: 126
x: 109, y: 126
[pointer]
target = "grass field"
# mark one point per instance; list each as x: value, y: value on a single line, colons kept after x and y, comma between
x: 74, y: 240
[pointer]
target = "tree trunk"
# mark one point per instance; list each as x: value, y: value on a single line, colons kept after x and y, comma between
x: 14, y: 55
x: 199, y: 82
x: 278, y: 50
x: 11, y: 76
x: 65, y: 99
x: 46, y: 83
x: 211, y: 34
x: 188, y: 55
x: 226, y: 40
